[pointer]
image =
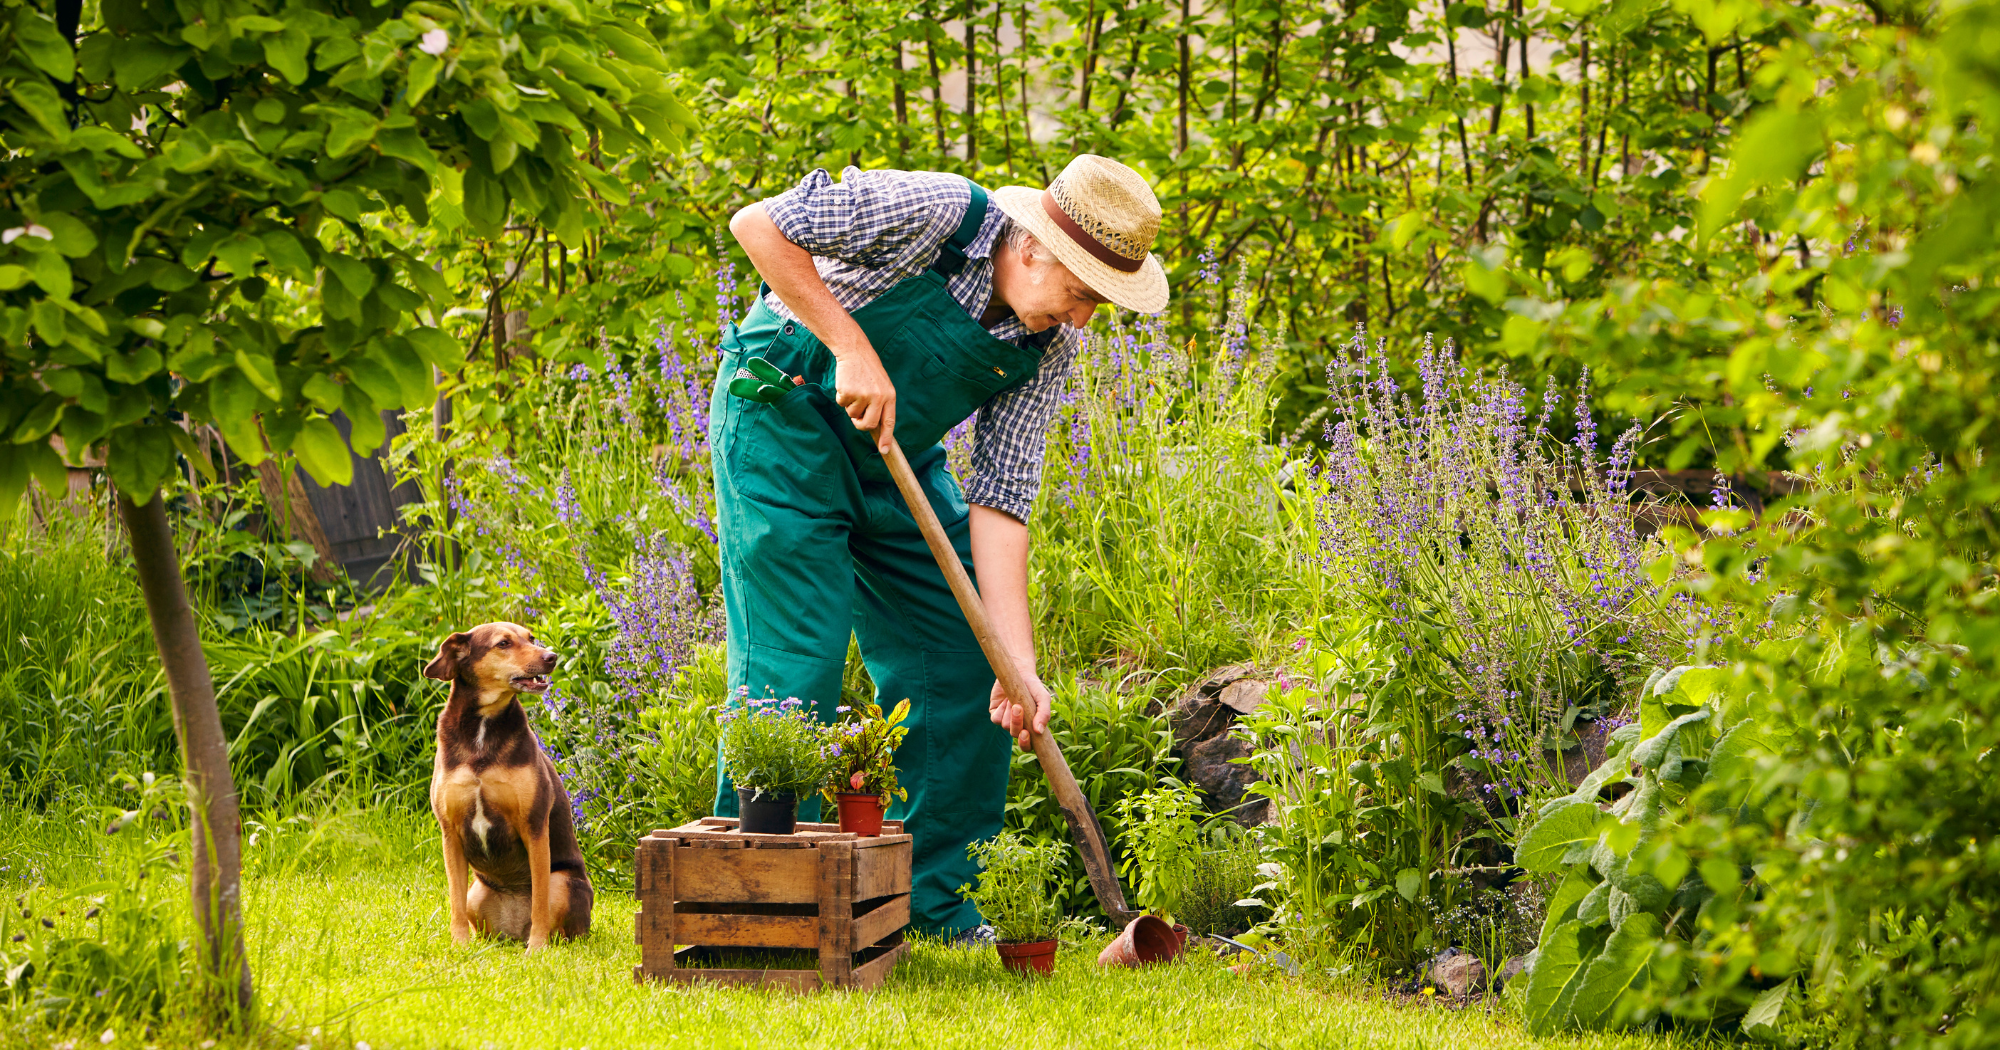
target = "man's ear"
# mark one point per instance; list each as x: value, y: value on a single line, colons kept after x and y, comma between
x: 450, y: 653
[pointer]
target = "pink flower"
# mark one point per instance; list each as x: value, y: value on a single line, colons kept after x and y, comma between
x: 857, y: 780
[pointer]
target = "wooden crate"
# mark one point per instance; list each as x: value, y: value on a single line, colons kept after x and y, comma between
x: 709, y: 893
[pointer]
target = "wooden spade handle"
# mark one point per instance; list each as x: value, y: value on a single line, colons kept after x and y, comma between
x: 1083, y: 824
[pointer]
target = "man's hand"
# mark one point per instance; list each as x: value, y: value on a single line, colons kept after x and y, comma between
x: 1016, y: 717
x: 862, y: 387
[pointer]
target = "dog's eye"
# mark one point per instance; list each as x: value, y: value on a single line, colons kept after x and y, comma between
x: 504, y: 643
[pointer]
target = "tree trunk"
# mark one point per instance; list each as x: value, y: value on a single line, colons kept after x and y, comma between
x: 215, y: 870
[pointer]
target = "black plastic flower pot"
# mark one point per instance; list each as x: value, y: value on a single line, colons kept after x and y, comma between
x: 761, y: 812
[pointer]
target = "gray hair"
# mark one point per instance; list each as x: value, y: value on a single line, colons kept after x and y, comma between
x: 1024, y: 243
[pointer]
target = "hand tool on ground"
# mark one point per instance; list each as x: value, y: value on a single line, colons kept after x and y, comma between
x: 1069, y: 798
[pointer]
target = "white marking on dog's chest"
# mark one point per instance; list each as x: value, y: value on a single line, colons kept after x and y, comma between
x: 481, y: 824
x: 479, y: 738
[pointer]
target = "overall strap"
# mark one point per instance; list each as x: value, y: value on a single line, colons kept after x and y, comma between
x: 951, y: 256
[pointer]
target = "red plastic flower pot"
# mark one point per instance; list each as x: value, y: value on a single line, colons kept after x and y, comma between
x: 860, y: 814
x: 1028, y: 957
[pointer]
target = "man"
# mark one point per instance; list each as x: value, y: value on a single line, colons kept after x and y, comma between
x: 906, y: 302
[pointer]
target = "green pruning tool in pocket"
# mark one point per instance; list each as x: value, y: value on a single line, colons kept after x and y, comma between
x: 762, y: 381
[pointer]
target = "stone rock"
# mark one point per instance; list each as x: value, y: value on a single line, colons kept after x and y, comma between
x: 1510, y: 969
x: 1201, y: 713
x: 1459, y: 975
x: 1201, y: 722
x: 1224, y: 784
x: 1244, y: 695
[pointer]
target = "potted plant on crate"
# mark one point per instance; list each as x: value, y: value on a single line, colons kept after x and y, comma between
x: 774, y: 752
x: 865, y: 779
x: 1013, y: 895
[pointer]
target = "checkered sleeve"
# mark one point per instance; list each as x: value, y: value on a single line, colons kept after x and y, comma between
x: 1011, y: 430
x: 876, y: 219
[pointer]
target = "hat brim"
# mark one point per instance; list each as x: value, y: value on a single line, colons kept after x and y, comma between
x: 1142, y: 291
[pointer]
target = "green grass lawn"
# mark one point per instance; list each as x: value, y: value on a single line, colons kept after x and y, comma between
x: 350, y: 945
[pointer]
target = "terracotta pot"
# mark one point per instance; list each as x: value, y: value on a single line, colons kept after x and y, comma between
x: 860, y: 814
x: 1147, y: 939
x: 761, y: 812
x: 1029, y: 957
x: 1180, y: 939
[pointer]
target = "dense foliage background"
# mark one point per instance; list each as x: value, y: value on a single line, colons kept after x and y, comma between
x: 1449, y: 279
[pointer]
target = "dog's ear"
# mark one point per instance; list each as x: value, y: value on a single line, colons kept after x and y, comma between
x: 450, y: 654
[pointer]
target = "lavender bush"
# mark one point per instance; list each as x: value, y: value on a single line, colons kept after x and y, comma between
x: 1505, y: 563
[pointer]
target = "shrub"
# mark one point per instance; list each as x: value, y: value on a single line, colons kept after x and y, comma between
x: 1016, y: 884
x: 774, y: 746
x: 1162, y: 841
x: 1221, y: 878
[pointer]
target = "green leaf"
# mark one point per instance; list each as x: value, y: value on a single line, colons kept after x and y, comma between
x: 323, y: 454
x: 262, y: 374
x: 1652, y: 751
x: 37, y: 37
x: 1761, y: 1022
x: 485, y: 199
x: 1620, y: 968
x: 190, y: 451
x: 353, y: 274
x: 1408, y: 882
x: 52, y: 273
x: 285, y: 253
x: 407, y: 144
x: 348, y: 130
x: 40, y: 419
x: 19, y: 463
x: 632, y: 49
x: 422, y: 77
x: 374, y: 378
x: 365, y: 426
x: 321, y: 390
x: 1553, y: 979
x: 437, y: 347
x: 1564, y: 822
x: 73, y: 237
x: 43, y: 104
x: 1774, y: 146
x: 140, y: 460
x: 1563, y: 906
x: 413, y: 376
x: 286, y: 51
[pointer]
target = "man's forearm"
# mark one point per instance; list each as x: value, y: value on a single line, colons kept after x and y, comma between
x: 1000, y: 557
x: 789, y: 270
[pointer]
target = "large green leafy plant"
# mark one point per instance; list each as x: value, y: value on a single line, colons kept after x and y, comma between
x: 195, y: 215
x: 1636, y: 886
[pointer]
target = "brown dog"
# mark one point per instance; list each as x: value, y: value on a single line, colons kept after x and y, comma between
x: 499, y: 803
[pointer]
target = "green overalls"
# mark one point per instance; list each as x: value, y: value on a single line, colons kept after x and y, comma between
x: 817, y: 542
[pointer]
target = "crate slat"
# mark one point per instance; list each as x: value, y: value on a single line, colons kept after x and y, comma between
x: 885, y: 919
x: 871, y: 974
x: 747, y: 931
x: 881, y: 872
x: 751, y: 876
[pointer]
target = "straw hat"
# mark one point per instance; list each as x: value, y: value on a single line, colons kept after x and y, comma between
x: 1100, y: 219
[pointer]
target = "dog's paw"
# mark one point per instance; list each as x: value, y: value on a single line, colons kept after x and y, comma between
x: 461, y: 934
x: 536, y: 944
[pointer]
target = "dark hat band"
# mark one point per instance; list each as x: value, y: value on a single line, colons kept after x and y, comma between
x: 1085, y: 241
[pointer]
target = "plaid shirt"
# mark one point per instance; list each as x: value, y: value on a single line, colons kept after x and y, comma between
x: 876, y: 229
